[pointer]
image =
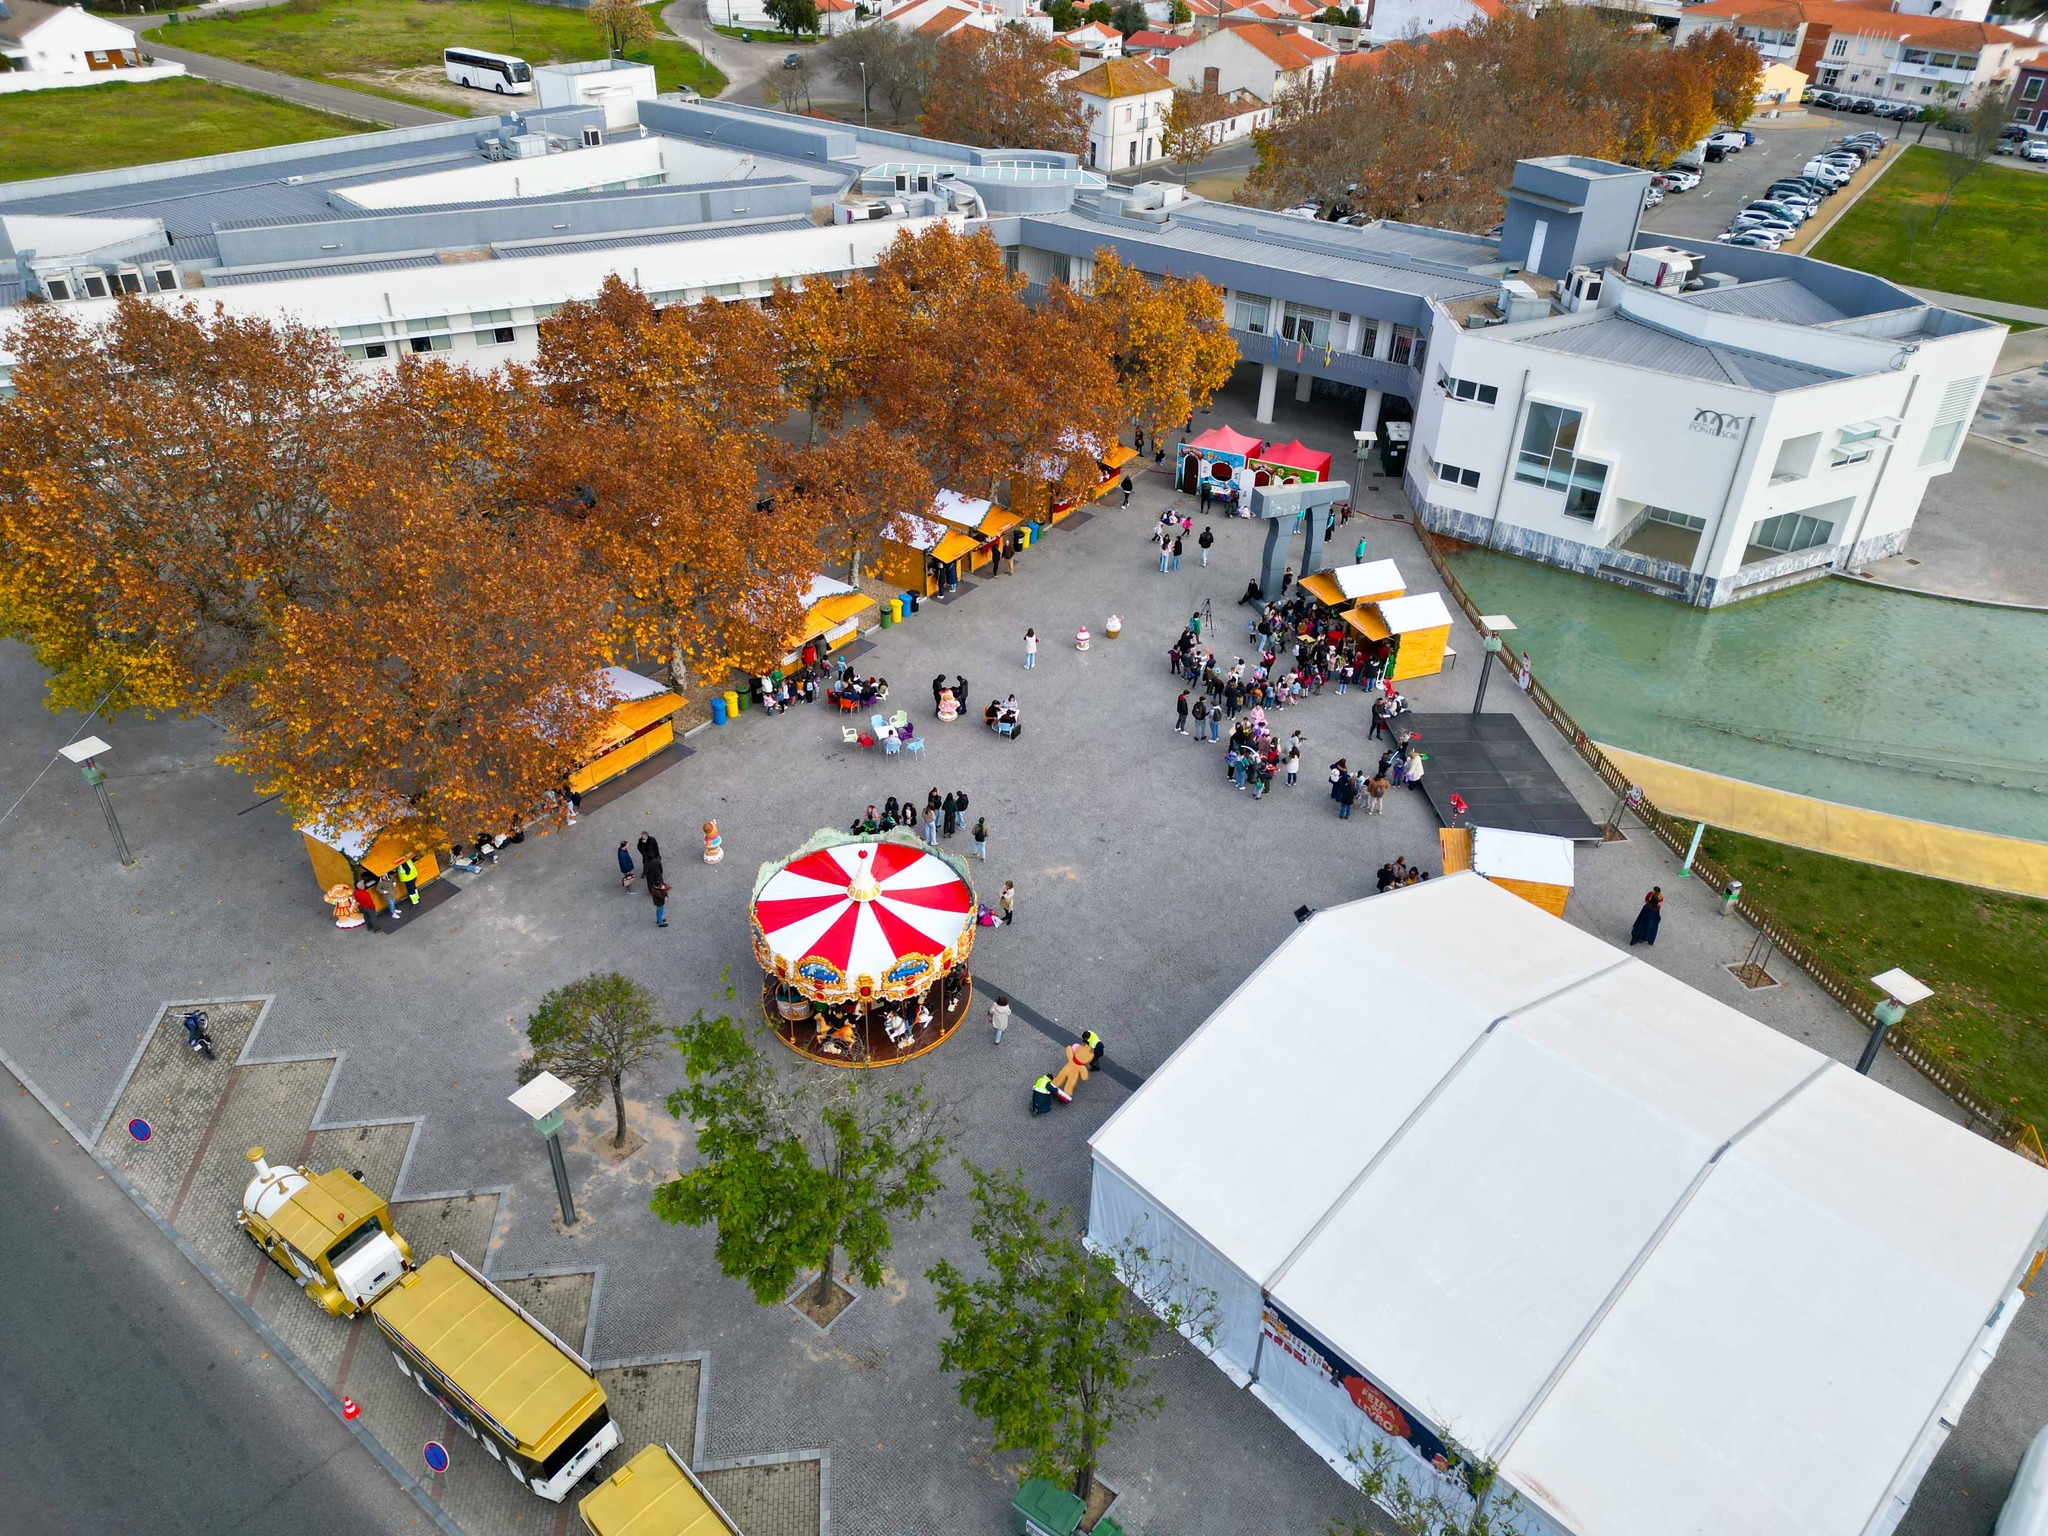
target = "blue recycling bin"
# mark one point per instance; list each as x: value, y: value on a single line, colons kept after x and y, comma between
x: 718, y: 709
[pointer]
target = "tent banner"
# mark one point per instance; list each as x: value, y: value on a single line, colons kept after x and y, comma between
x: 1283, y: 1333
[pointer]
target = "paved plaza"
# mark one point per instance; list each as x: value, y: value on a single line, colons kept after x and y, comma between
x: 1147, y: 890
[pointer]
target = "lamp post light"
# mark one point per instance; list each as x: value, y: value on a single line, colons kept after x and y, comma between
x: 1495, y: 625
x: 1900, y: 993
x: 86, y: 754
x: 541, y: 1101
x: 863, y: 92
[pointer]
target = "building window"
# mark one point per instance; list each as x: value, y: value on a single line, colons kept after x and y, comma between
x: 1949, y: 421
x: 58, y: 288
x: 1466, y: 389
x: 166, y: 279
x: 348, y: 333
x: 1368, y: 335
x: 1451, y: 474
x: 1674, y: 519
x: 1790, y: 532
x: 128, y: 280
x: 1406, y: 349
x: 1305, y: 323
x: 490, y: 319
x: 368, y: 351
x: 430, y: 343
x: 1916, y: 55
x: 2031, y: 91
x: 1549, y: 438
x: 1855, y: 446
x: 95, y: 284
x: 431, y: 323
x: 1253, y: 311
x: 1838, y: 47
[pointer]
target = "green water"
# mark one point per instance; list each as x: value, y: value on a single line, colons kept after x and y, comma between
x: 1914, y: 705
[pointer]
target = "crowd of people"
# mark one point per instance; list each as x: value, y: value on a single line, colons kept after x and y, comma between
x: 934, y: 817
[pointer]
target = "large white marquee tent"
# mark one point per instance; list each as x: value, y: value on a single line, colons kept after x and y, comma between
x: 1468, y: 1183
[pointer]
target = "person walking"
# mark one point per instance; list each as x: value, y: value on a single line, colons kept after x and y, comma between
x: 1645, y: 929
x: 625, y: 865
x: 1176, y: 552
x: 1347, y: 796
x: 1180, y: 714
x: 999, y: 1016
x: 1376, y: 789
x: 1206, y: 542
x: 657, y: 892
x: 1030, y: 647
x: 981, y: 838
x: 1126, y: 488
x: 1007, y: 903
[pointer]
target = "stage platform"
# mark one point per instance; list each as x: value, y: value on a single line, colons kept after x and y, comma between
x: 1489, y: 761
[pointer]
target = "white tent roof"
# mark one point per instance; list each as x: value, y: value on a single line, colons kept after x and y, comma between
x: 1369, y: 579
x: 1422, y: 610
x: 1528, y: 856
x: 822, y: 587
x: 921, y: 532
x: 1648, y: 1253
x: 631, y: 685
x: 967, y: 511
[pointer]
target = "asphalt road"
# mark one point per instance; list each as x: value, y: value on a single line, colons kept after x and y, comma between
x: 747, y: 66
x: 133, y: 1398
x: 307, y: 93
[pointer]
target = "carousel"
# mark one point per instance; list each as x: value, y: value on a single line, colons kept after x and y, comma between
x: 864, y: 943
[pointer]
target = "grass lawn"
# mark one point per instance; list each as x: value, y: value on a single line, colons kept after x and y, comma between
x: 102, y: 127
x: 1987, y: 245
x: 757, y: 35
x: 1981, y: 952
x: 329, y: 39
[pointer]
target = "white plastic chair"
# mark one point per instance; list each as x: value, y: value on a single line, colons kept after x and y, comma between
x: 849, y: 735
x: 891, y: 746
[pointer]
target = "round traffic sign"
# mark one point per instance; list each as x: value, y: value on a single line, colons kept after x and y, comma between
x: 139, y: 1129
x: 437, y: 1456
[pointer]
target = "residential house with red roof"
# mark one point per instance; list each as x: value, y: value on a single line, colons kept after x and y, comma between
x: 1394, y: 21
x: 1094, y: 41
x: 1126, y: 103
x: 1863, y: 48
x: 1272, y: 62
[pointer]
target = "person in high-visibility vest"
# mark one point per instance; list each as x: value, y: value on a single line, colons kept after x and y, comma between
x: 1041, y: 1095
x: 1094, y: 1043
x: 408, y: 881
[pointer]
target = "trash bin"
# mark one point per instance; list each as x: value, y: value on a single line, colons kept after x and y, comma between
x: 909, y: 603
x: 1108, y: 1527
x: 1040, y: 1509
x: 718, y: 714
x: 893, y: 614
x: 732, y: 703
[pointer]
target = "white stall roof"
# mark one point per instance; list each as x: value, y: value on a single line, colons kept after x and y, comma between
x: 921, y: 532
x: 823, y: 587
x: 1423, y: 610
x: 1674, y: 1270
x: 1246, y: 1145
x: 1528, y: 856
x: 631, y: 685
x: 1369, y: 579
x: 967, y: 511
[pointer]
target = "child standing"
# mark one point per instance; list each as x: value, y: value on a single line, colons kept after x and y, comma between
x: 1007, y: 902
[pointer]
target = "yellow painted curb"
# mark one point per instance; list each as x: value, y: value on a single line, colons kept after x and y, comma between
x: 2012, y: 864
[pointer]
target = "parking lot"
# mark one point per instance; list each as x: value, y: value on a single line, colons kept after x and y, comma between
x: 1778, y: 151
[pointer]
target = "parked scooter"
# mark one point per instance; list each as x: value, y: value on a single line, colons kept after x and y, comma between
x: 196, y: 1037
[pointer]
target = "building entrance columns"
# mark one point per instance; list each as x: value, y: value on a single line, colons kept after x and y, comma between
x: 1308, y: 505
x: 1269, y: 386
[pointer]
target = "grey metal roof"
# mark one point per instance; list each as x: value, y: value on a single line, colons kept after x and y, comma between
x: 1775, y: 298
x: 665, y: 237
x: 1378, y: 238
x: 340, y: 269
x: 1314, y: 258
x: 1619, y: 339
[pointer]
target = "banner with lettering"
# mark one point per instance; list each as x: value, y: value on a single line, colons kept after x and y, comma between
x: 1284, y: 1333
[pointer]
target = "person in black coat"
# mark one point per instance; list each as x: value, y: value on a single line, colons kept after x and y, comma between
x: 649, y: 851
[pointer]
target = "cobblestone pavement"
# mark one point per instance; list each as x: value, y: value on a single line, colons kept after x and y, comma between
x: 1148, y: 889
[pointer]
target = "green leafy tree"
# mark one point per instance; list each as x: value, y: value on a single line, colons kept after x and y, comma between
x: 795, y: 17
x: 1100, y: 13
x: 1128, y: 17
x: 1050, y: 1346
x: 1454, y: 1505
x: 590, y: 1034
x: 1179, y: 14
x: 795, y: 1171
x: 1065, y: 15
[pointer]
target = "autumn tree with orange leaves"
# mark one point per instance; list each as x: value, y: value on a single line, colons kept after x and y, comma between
x: 855, y: 489
x: 1002, y: 90
x: 1165, y: 339
x: 164, y: 495
x: 1429, y: 131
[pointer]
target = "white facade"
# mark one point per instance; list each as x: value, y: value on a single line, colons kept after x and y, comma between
x: 64, y: 40
x: 1685, y: 480
x: 1394, y: 21
x: 1124, y: 130
x: 1271, y: 63
x: 614, y: 84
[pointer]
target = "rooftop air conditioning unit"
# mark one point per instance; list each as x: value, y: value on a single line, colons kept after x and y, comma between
x: 1519, y: 301
x: 1711, y: 280
x: 527, y: 146
x: 1660, y: 266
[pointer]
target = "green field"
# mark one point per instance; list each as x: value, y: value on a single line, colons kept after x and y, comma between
x: 102, y: 127
x: 334, y: 39
x: 1987, y: 245
x: 1981, y: 952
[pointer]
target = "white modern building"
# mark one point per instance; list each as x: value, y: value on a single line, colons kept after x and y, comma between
x: 1271, y: 61
x: 43, y: 47
x: 1701, y: 422
x: 1534, y: 1207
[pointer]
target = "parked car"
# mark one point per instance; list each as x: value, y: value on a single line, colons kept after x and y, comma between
x: 2006, y: 147
x: 1800, y: 187
x: 1785, y: 206
x: 792, y: 61
x: 2013, y: 131
x: 1729, y: 140
x: 1829, y: 171
x: 1677, y: 180
x: 1751, y: 239
x: 2036, y: 151
x: 1653, y: 197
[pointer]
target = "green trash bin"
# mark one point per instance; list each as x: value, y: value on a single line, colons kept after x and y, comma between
x: 1042, y: 1509
x: 1108, y: 1527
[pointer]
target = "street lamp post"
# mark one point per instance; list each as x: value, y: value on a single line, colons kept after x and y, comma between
x: 542, y: 1101
x: 863, y: 92
x: 1900, y: 993
x: 86, y: 754
x: 1495, y: 625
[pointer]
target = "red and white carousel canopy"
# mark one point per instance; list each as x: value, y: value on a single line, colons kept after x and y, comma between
x: 877, y: 919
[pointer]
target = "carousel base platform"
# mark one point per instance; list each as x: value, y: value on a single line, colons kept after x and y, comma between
x: 871, y: 1045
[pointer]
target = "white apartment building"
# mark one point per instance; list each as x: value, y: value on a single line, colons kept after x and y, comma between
x: 1126, y: 102
x: 1271, y: 62
x: 1863, y: 48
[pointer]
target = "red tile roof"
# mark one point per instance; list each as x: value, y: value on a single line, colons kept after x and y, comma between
x: 1283, y: 46
x: 1861, y: 18
x: 1166, y: 40
x: 1114, y: 78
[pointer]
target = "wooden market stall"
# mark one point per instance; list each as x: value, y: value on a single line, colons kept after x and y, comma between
x: 1536, y: 868
x: 926, y: 551
x: 636, y: 726
x: 832, y: 613
x: 337, y: 853
x: 1346, y: 586
x: 994, y: 528
x: 1419, y: 626
x: 1112, y: 466
x: 1294, y: 462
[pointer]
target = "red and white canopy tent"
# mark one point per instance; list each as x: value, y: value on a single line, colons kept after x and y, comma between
x: 856, y: 920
